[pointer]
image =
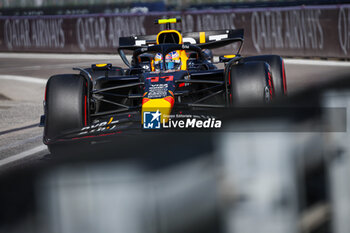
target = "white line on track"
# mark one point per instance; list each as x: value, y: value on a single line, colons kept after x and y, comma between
x: 34, y: 150
x: 23, y: 79
x: 316, y: 62
x: 22, y: 155
x: 60, y: 56
x: 21, y: 142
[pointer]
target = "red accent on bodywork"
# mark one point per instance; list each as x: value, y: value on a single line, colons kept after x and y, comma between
x: 272, y: 90
x: 45, y: 93
x: 85, y: 112
x: 154, y: 79
x: 284, y: 79
x: 170, y: 100
x: 229, y: 77
x: 168, y: 78
x: 271, y: 85
x: 92, y: 136
x: 145, y: 100
x: 181, y: 84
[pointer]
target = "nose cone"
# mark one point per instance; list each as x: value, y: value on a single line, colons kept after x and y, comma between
x: 163, y: 105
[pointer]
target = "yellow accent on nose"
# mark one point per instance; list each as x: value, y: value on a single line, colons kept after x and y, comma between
x: 152, y: 105
x: 101, y: 65
x: 202, y: 37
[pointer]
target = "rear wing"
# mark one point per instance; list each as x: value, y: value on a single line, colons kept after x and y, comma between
x: 204, y: 40
x: 214, y: 39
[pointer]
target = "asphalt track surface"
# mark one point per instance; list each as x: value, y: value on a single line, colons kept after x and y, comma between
x: 22, y: 86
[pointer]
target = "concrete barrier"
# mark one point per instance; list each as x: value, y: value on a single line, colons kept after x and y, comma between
x: 312, y: 31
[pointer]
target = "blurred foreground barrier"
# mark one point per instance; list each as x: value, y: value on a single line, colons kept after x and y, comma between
x: 148, y: 184
x: 289, y: 182
x: 241, y: 179
x: 313, y: 31
x: 339, y: 165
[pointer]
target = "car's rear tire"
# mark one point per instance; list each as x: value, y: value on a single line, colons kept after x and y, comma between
x: 66, y: 105
x: 250, y: 83
x: 277, y: 70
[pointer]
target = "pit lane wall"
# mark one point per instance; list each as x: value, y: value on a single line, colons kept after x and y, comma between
x: 313, y: 31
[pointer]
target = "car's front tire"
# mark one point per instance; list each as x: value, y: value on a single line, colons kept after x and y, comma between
x: 66, y: 105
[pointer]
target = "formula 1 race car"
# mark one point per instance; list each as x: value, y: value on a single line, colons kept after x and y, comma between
x: 167, y: 73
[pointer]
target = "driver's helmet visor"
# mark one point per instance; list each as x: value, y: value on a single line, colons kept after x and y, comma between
x: 172, y: 61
